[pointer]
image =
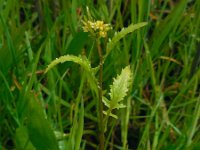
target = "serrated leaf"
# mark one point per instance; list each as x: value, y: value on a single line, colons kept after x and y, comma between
x: 83, y: 62
x: 119, y: 35
x: 118, y: 90
x: 106, y: 102
x: 79, y: 60
x: 110, y: 114
x: 119, y: 106
x: 120, y: 86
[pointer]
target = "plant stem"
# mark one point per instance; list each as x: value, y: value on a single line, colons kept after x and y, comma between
x: 101, y: 125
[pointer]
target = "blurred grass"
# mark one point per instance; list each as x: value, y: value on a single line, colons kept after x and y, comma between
x: 59, y: 108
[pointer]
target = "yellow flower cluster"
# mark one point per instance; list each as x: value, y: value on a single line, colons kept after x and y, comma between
x: 96, y: 28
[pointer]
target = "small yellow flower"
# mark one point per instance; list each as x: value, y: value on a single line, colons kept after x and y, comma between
x: 100, y: 25
x: 96, y: 28
x: 102, y: 34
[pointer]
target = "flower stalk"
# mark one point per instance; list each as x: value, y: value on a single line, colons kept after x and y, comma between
x: 98, y: 30
x: 100, y: 88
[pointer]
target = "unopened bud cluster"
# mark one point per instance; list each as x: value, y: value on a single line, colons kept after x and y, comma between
x: 96, y: 28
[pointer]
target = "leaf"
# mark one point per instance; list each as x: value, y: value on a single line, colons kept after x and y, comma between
x: 122, y: 34
x: 83, y: 62
x: 118, y: 90
x: 106, y: 102
x: 76, y: 132
x: 79, y: 60
x: 22, y: 140
x: 39, y: 128
x: 120, y: 85
x: 119, y: 106
x: 166, y: 27
x: 79, y: 131
x: 110, y: 114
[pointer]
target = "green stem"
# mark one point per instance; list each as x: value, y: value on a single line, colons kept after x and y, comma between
x: 101, y: 125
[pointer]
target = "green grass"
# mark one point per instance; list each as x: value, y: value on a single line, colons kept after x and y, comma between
x: 60, y: 109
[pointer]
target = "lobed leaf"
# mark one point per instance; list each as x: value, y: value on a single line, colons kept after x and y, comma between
x: 120, y: 85
x: 106, y: 102
x: 118, y: 90
x: 110, y: 114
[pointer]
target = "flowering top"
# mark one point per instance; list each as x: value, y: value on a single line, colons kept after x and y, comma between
x: 96, y: 28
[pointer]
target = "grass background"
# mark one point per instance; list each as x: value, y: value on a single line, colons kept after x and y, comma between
x: 57, y: 110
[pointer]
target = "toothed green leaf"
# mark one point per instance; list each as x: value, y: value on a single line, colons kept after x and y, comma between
x: 118, y: 90
x: 79, y: 60
x: 106, y: 101
x: 118, y: 36
x: 119, y: 106
x: 110, y: 114
x: 120, y: 86
x: 83, y: 62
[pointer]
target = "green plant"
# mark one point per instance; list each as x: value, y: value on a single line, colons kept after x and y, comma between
x: 120, y: 85
x: 62, y: 108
